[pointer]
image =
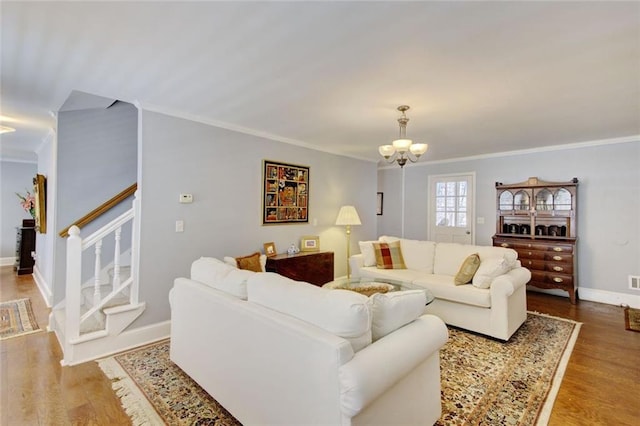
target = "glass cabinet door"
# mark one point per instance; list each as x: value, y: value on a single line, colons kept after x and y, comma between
x: 544, y: 200
x: 506, y: 201
x: 521, y: 201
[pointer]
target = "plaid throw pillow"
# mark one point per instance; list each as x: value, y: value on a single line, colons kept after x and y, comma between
x: 389, y: 255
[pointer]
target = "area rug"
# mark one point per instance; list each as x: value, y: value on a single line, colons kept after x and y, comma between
x: 484, y: 381
x: 17, y: 319
x: 632, y: 319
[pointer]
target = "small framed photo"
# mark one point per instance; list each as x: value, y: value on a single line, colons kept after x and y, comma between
x: 379, y: 204
x: 270, y: 249
x: 310, y: 243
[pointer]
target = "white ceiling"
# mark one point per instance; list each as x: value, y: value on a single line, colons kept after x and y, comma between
x: 480, y: 77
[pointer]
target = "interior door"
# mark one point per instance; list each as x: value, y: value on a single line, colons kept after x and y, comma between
x: 451, y: 208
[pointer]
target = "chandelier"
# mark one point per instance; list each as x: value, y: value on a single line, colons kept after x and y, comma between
x: 403, y: 149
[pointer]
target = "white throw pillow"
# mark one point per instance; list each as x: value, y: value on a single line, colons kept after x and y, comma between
x: 489, y: 270
x: 368, y: 253
x: 394, y: 309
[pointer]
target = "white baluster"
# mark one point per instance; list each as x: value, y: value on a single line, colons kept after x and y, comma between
x: 73, y: 286
x: 98, y: 268
x: 116, y: 260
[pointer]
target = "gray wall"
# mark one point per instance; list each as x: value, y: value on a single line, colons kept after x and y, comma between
x: 223, y: 171
x: 43, y: 271
x: 608, y: 203
x: 14, y: 177
x: 96, y: 159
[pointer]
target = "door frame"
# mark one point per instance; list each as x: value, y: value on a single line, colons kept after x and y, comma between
x: 431, y: 211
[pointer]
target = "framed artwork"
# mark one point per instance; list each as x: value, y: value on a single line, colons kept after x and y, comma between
x: 379, y: 204
x: 270, y: 249
x: 285, y: 193
x: 310, y: 243
x: 40, y: 194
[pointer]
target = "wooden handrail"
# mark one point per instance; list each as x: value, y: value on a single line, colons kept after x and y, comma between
x: 97, y: 212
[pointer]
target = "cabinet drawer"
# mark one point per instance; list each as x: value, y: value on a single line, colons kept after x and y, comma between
x: 556, y: 248
x: 540, y: 265
x: 531, y: 254
x: 551, y: 279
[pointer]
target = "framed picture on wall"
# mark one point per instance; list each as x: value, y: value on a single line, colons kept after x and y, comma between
x: 379, y: 204
x: 285, y: 193
x: 40, y: 194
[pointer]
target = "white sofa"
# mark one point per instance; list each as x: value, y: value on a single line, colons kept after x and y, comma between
x: 276, y: 351
x: 494, y: 304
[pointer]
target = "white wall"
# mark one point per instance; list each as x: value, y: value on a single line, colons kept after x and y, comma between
x: 608, y: 204
x: 223, y: 171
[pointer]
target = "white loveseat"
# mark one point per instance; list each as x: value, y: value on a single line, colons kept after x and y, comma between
x: 494, y: 303
x: 276, y: 351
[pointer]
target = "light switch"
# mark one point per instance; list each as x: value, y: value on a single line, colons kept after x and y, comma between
x: 186, y: 198
x: 179, y: 225
x: 480, y: 221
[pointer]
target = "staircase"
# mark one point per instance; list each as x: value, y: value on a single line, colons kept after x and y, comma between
x: 92, y: 320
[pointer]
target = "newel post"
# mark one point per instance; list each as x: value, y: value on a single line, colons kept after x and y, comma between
x: 73, y: 284
x: 135, y: 248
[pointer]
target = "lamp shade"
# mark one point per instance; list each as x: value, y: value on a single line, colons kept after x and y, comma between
x: 402, y: 145
x: 348, y: 216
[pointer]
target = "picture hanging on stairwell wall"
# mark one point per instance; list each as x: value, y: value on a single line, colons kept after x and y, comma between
x: 285, y: 193
x: 40, y: 194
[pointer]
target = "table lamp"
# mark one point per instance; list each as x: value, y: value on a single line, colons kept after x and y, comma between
x: 348, y: 216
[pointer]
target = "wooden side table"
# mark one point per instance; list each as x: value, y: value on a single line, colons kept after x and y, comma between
x: 312, y: 267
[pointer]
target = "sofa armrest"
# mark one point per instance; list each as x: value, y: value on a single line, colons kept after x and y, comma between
x: 507, y: 283
x: 356, y: 262
x: 376, y: 368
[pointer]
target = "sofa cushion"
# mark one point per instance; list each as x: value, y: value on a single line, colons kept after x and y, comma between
x: 392, y: 310
x: 368, y: 254
x: 449, y: 257
x: 467, y: 269
x: 443, y: 287
x: 221, y: 276
x: 341, y: 312
x: 489, y: 270
x: 418, y: 255
x: 389, y: 255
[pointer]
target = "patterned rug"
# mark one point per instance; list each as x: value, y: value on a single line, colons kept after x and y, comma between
x: 484, y: 381
x: 17, y: 319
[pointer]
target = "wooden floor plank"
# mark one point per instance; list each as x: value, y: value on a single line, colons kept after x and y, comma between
x: 600, y: 386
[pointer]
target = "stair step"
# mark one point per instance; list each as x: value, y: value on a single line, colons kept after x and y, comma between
x: 105, y: 289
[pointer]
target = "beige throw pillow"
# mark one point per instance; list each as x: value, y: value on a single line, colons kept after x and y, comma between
x: 467, y: 269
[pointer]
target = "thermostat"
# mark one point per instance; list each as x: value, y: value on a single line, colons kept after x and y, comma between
x: 186, y: 198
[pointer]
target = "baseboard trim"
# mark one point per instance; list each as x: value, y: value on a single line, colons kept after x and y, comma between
x: 7, y: 261
x: 595, y: 295
x: 124, y: 341
x: 41, y: 283
x: 609, y: 297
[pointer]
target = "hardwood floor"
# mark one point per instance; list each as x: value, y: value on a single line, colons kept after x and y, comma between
x: 600, y: 387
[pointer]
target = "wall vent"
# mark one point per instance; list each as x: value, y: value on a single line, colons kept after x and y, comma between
x: 634, y: 282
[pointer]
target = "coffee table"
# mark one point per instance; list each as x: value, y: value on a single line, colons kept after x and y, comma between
x: 368, y: 286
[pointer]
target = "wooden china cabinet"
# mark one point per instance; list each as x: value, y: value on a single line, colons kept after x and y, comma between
x: 538, y: 219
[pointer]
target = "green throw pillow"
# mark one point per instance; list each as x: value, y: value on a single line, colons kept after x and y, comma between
x: 467, y: 269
